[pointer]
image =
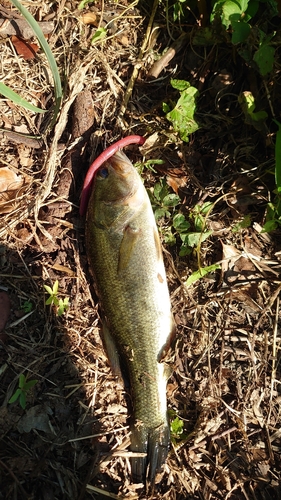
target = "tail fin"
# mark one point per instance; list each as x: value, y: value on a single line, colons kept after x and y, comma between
x: 155, y: 444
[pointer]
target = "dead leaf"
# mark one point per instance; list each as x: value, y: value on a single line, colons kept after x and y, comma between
x: 177, y: 179
x: 11, y: 185
x: 36, y: 418
x: 89, y: 18
x: 23, y: 48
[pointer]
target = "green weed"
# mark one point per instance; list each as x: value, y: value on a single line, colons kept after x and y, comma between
x: 182, y: 113
x: 27, y: 306
x: 189, y: 231
x: 21, y: 392
x: 61, y: 305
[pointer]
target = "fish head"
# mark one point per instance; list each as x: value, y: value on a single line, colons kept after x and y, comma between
x: 117, y: 191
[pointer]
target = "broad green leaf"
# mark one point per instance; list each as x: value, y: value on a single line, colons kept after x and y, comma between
x: 180, y: 85
x: 171, y: 200
x: 17, y: 99
x: 264, y: 58
x: 207, y: 207
x: 241, y: 31
x: 193, y: 239
x: 228, y: 8
x: 201, y: 273
x: 161, y: 212
x: 182, y: 116
x: 180, y: 223
x: 185, y: 250
x: 269, y: 226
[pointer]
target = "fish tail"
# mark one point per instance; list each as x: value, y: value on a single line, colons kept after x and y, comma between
x: 155, y: 444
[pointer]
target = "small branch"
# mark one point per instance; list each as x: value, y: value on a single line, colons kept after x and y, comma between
x: 159, y: 65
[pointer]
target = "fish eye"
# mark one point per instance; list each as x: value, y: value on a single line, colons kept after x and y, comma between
x: 103, y: 173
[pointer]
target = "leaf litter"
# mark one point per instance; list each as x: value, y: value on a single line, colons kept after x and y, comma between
x: 72, y: 440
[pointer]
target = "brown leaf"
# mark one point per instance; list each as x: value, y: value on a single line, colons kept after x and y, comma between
x: 10, y: 187
x: 25, y: 49
x: 89, y: 18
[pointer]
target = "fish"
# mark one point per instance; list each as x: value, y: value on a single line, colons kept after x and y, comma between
x: 126, y: 261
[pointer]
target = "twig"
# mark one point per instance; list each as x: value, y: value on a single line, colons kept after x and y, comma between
x: 159, y: 65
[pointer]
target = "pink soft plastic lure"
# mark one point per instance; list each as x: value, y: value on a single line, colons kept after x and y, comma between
x: 103, y: 157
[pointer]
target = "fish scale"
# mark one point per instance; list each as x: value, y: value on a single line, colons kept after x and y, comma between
x: 125, y: 257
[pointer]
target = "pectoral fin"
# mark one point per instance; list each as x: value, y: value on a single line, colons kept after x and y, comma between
x: 130, y: 238
x: 111, y: 351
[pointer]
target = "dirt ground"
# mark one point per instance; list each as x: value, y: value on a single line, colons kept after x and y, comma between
x: 71, y: 440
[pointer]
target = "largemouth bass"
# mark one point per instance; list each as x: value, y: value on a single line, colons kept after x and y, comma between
x: 125, y: 256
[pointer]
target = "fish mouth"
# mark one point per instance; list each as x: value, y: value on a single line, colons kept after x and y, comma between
x: 120, y: 163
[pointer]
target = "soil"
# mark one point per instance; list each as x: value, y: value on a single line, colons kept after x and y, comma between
x: 70, y: 438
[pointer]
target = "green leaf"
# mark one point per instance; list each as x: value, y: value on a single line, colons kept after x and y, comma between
x: 193, y: 239
x: 17, y: 99
x: 176, y: 427
x: 27, y: 306
x: 206, y: 207
x: 161, y: 212
x: 170, y: 238
x: 15, y: 396
x: 180, y: 85
x: 248, y: 105
x: 269, y: 226
x: 48, y: 289
x: 199, y: 222
x: 201, y: 273
x: 241, y: 31
x: 83, y: 4
x: 171, y: 200
x: 23, y: 400
x: 184, y: 250
x: 30, y: 384
x: 226, y: 9
x: 55, y: 287
x: 165, y: 107
x: 99, y: 35
x: 180, y: 223
x: 63, y: 306
x: 264, y: 58
x: 182, y: 116
x: 21, y: 381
